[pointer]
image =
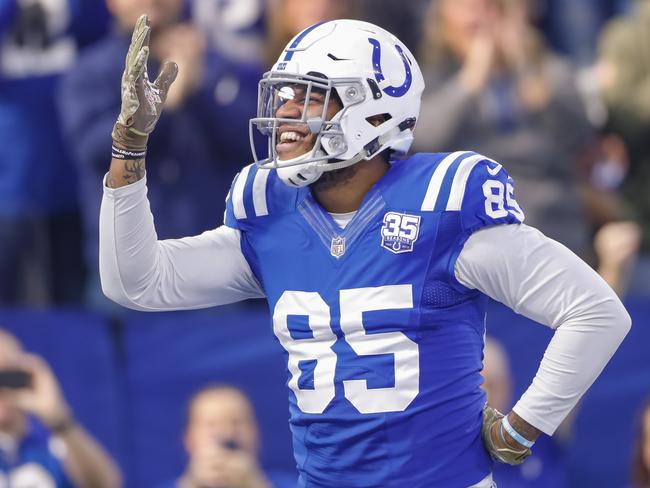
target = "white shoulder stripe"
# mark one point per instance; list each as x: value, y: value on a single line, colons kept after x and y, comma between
x: 238, y: 193
x: 460, y: 182
x: 435, y: 183
x: 259, y: 192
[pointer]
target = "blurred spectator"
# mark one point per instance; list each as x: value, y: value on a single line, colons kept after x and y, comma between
x: 403, y: 19
x: 221, y: 439
x: 201, y: 140
x: 494, y: 87
x: 624, y: 74
x: 41, y: 444
x: 40, y: 235
x: 617, y: 246
x: 545, y: 467
x: 641, y: 454
x: 286, y: 18
x: 235, y: 28
x: 572, y: 27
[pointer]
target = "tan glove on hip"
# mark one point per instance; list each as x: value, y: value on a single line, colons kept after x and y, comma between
x: 142, y: 101
x: 494, y: 442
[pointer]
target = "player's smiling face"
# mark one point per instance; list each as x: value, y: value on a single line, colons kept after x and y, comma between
x: 294, y: 140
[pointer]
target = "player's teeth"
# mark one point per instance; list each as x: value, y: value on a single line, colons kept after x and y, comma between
x: 290, y: 137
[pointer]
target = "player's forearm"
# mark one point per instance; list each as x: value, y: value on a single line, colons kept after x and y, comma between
x: 124, y: 172
x: 128, y: 245
x: 541, y: 279
x: 527, y: 430
x: 590, y: 323
x: 578, y: 352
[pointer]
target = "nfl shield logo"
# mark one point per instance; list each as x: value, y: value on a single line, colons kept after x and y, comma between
x: 399, y: 232
x: 337, y: 249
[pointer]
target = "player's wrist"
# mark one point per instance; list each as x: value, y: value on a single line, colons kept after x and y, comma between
x: 125, y: 139
x: 127, y: 154
x: 500, y: 447
x: 522, y: 427
x: 511, y: 437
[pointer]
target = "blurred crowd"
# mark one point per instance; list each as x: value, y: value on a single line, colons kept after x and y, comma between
x: 44, y: 445
x: 557, y: 91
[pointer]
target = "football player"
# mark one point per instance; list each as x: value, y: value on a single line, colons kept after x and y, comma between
x: 376, y: 266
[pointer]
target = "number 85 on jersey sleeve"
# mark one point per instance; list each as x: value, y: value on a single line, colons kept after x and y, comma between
x: 498, y: 196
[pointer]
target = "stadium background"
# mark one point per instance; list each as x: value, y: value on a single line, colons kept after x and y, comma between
x: 128, y: 375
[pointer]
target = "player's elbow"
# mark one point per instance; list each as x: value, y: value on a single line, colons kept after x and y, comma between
x: 114, y: 291
x: 602, y: 314
x: 623, y: 320
x: 615, y: 318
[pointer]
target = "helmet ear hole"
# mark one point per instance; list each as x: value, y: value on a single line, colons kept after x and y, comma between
x: 378, y: 119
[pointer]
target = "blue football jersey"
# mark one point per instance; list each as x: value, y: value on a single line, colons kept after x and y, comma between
x: 383, y: 344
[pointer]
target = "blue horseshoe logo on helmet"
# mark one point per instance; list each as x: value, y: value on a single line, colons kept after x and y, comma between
x: 393, y: 91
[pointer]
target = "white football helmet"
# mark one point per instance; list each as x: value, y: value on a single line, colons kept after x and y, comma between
x: 373, y: 73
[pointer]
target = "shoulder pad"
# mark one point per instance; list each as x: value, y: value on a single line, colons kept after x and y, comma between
x: 487, y: 198
x: 474, y: 185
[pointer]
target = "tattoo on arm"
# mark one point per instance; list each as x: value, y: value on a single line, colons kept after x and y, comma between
x: 133, y: 170
x: 125, y: 172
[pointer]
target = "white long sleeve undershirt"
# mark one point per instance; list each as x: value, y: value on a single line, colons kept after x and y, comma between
x: 541, y: 279
x: 513, y: 264
x: 140, y: 272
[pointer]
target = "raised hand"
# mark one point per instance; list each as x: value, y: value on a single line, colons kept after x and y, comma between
x: 142, y: 100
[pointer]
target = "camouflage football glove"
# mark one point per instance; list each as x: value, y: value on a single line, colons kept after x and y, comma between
x: 142, y: 101
x: 494, y: 440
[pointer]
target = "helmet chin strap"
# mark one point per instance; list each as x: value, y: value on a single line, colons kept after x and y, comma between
x: 310, y: 172
x: 331, y: 166
x: 299, y: 175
